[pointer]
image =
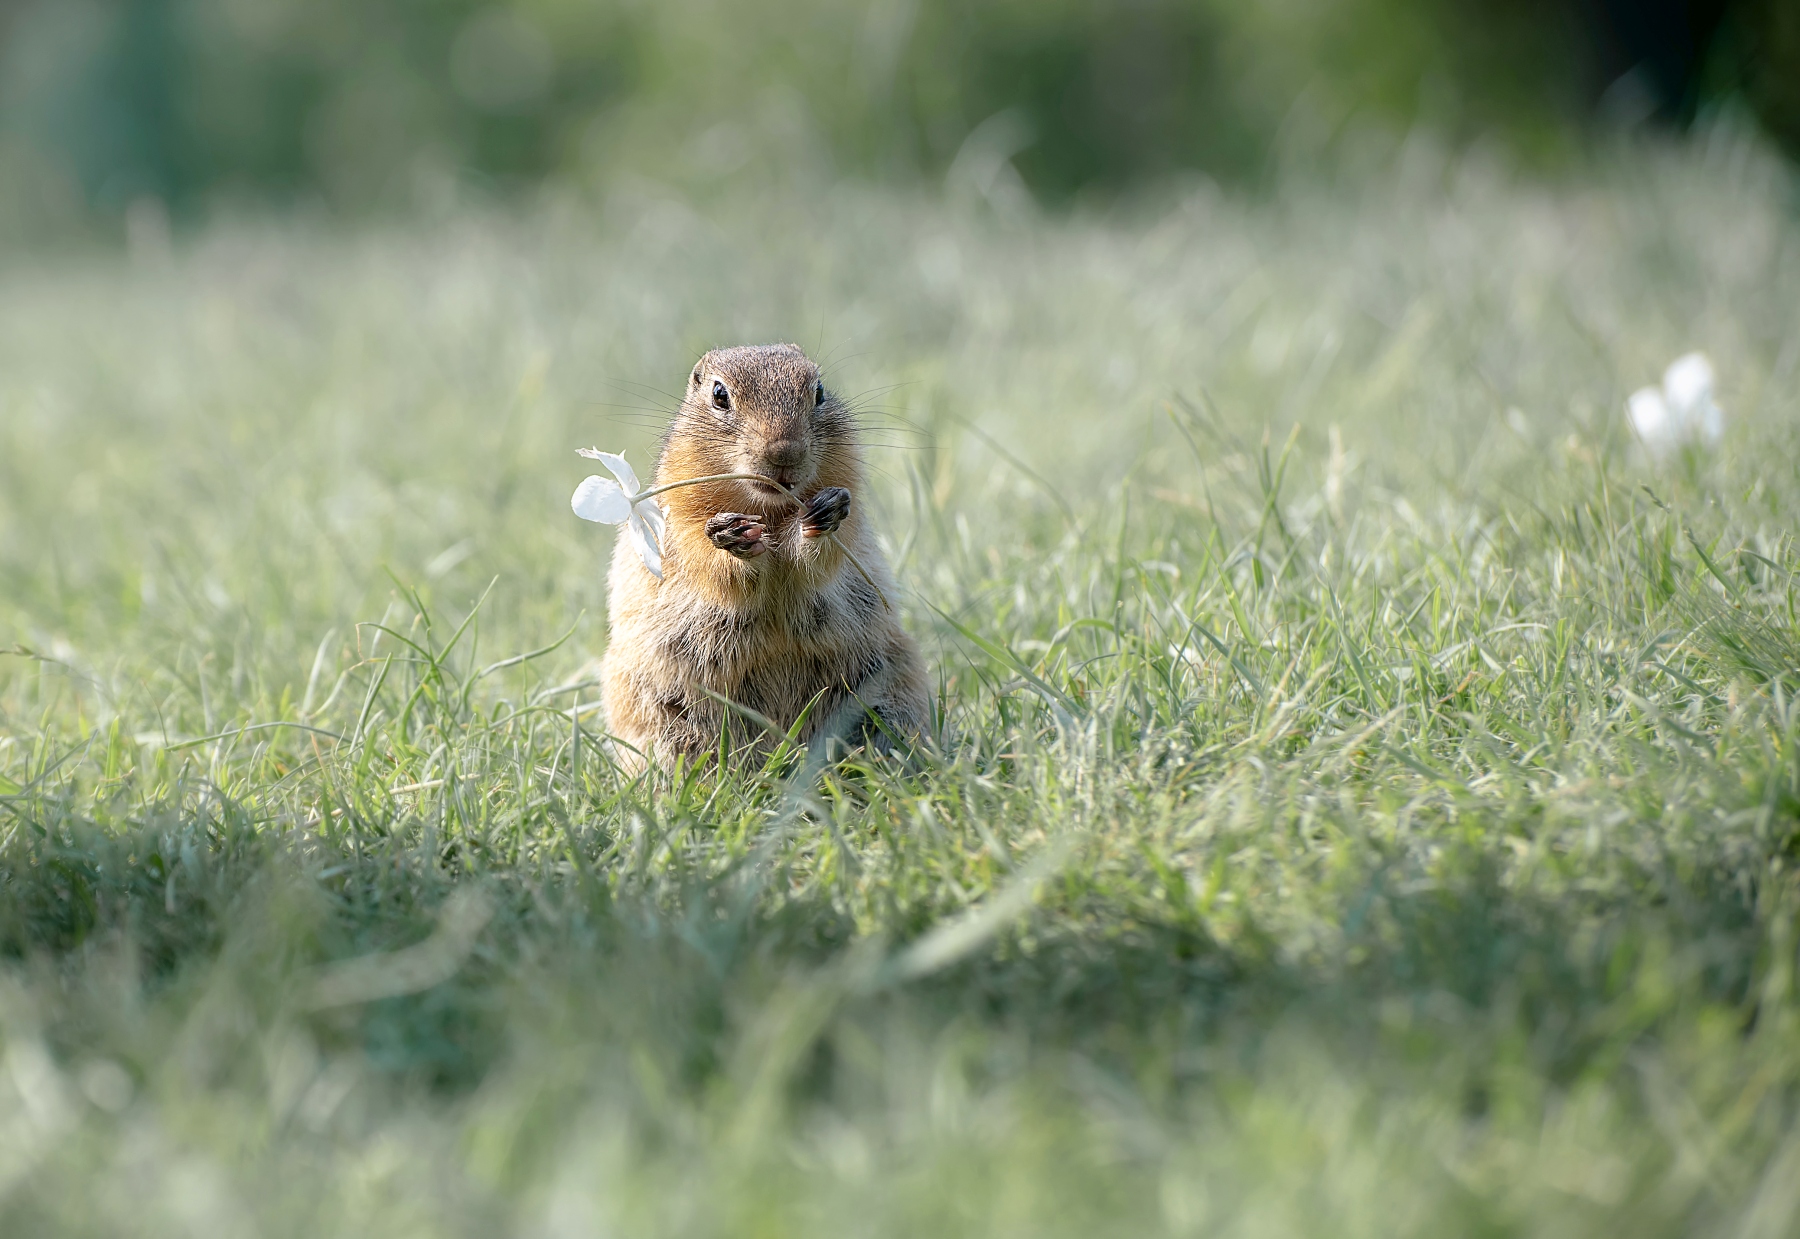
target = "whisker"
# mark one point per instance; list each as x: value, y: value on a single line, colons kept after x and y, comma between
x: 896, y: 424
x: 918, y: 448
x: 630, y: 412
x: 829, y: 363
x: 656, y: 396
x: 891, y: 387
x: 643, y: 389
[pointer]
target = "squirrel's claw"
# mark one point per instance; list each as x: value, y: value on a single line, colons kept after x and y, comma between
x: 825, y: 512
x: 741, y: 535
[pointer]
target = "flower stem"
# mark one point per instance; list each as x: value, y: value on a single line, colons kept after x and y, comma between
x: 766, y: 481
x: 714, y: 477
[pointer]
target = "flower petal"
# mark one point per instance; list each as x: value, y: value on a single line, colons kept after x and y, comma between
x: 650, y: 511
x: 646, y: 540
x: 600, y: 500
x: 621, y: 469
x: 1688, y: 386
x: 1649, y: 416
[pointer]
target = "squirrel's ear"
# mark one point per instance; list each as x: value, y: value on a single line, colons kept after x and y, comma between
x: 696, y: 376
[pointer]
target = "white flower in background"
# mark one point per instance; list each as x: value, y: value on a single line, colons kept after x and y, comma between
x: 616, y: 503
x: 1680, y: 410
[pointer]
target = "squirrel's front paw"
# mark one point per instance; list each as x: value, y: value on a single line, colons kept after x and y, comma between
x: 741, y: 535
x: 825, y: 512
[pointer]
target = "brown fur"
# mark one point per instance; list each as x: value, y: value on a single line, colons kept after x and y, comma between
x: 769, y: 633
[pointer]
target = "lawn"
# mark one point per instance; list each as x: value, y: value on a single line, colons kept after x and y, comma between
x: 1368, y: 799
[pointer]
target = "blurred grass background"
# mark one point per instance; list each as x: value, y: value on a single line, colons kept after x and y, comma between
x: 197, y: 104
x: 1384, y: 830
x: 1370, y: 794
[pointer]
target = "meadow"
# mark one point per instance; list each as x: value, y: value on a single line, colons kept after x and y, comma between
x: 1368, y: 797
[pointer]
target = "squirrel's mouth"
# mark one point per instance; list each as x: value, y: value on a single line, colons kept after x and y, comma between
x: 780, y: 484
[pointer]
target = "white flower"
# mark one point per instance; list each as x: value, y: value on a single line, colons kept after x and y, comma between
x: 1682, y: 409
x: 616, y: 503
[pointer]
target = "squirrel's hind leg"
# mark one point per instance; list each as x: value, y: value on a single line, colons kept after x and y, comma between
x: 653, y: 722
x: 888, y: 710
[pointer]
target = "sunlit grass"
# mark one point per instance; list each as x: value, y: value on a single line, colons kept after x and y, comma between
x: 1368, y: 793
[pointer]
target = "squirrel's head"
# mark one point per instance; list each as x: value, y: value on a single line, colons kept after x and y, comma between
x: 764, y: 409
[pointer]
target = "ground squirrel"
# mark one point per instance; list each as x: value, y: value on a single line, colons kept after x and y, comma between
x: 755, y: 604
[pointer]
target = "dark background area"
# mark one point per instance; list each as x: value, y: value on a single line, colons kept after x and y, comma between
x: 367, y: 104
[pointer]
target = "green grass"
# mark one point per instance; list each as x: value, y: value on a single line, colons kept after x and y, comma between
x: 1370, y: 795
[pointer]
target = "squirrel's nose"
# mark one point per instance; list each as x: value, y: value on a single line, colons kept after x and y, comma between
x: 785, y: 454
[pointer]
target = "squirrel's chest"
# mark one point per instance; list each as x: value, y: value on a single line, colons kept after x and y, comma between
x: 714, y: 640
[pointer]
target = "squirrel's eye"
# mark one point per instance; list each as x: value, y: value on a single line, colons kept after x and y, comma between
x: 818, y: 395
x: 721, y: 398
